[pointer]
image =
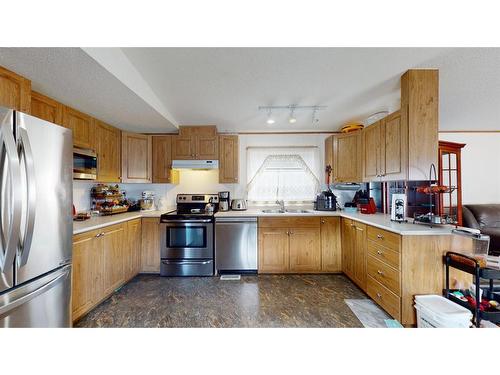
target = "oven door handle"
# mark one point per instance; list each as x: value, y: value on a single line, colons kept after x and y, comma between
x: 187, y: 221
x: 193, y: 262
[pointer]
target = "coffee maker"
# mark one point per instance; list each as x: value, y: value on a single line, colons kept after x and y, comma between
x: 224, y: 201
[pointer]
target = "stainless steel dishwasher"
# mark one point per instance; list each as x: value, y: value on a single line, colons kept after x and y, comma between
x: 236, y: 244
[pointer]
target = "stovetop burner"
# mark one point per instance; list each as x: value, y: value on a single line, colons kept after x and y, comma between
x: 192, y: 207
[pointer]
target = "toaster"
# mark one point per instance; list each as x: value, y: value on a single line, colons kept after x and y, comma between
x: 238, y: 205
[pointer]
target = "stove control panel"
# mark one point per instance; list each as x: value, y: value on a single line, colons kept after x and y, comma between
x: 197, y: 198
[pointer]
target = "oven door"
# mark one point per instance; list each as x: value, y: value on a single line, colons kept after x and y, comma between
x: 187, y: 239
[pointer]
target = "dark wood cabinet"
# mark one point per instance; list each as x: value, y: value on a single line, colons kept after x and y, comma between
x: 450, y: 204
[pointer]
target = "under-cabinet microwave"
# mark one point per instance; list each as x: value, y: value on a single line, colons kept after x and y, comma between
x: 84, y: 164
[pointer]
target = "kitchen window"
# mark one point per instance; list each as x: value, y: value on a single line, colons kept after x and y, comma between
x: 278, y: 173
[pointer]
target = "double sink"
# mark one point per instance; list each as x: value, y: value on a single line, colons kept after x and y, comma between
x: 287, y: 211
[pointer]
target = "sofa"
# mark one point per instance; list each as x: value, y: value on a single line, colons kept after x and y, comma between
x: 486, y: 218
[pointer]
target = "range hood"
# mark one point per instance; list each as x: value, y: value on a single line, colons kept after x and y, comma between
x: 195, y: 164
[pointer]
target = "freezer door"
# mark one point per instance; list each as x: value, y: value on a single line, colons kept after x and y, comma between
x: 45, y: 153
x: 41, y: 303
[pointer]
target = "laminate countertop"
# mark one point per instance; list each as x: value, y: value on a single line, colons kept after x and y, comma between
x: 379, y: 220
x: 104, y: 221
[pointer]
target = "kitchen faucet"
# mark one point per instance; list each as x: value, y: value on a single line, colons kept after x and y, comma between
x: 282, y: 204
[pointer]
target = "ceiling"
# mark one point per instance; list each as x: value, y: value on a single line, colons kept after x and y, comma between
x: 72, y: 77
x: 156, y: 89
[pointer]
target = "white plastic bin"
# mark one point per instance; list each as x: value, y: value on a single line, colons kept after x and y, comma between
x: 435, y: 311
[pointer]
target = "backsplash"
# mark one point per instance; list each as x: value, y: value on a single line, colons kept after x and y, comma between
x: 191, y: 182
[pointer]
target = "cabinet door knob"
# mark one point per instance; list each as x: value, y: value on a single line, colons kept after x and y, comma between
x: 379, y: 236
x: 379, y: 252
x: 287, y: 233
x: 323, y: 221
x: 379, y: 295
x: 380, y: 272
x: 291, y: 232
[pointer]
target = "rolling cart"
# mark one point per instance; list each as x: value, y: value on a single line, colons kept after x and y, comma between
x: 471, y: 265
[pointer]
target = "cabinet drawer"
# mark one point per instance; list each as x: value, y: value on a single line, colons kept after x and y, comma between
x: 384, y: 238
x: 392, y: 258
x: 384, y: 274
x: 384, y: 297
x: 289, y: 222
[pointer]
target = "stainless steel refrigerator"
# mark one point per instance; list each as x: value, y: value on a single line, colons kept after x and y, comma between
x: 35, y: 221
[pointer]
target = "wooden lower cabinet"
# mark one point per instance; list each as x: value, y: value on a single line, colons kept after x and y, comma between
x: 290, y: 245
x: 331, y: 251
x: 150, y: 249
x: 305, y: 251
x: 85, y: 272
x: 134, y: 241
x: 359, y: 276
x: 273, y: 250
x: 348, y: 247
x: 300, y: 245
x: 393, y: 269
x: 103, y: 260
x: 114, y: 250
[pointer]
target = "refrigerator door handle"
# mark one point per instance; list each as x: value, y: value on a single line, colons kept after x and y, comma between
x: 7, y: 305
x: 9, y: 240
x: 25, y: 240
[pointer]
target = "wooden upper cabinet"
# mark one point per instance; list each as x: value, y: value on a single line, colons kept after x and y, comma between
x: 46, y: 108
x: 15, y: 91
x: 183, y: 148
x: 393, y: 157
x: 371, y: 141
x: 328, y: 156
x: 108, y: 149
x: 82, y: 126
x: 195, y: 142
x: 228, y: 159
x: 136, y: 158
x: 347, y: 155
x: 420, y: 120
x: 162, y: 160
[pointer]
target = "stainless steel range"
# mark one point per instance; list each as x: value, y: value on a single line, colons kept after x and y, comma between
x: 187, y: 236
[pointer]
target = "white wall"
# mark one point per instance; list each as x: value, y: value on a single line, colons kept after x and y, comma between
x: 480, y: 166
x: 207, y: 181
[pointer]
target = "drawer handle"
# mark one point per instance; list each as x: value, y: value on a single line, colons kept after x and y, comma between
x: 379, y: 252
x: 380, y: 273
x: 379, y: 295
x: 379, y: 236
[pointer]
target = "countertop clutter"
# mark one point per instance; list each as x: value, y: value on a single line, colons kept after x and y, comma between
x: 377, y: 220
x: 97, y: 222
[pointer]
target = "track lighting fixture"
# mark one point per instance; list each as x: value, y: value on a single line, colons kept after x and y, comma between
x: 270, y: 119
x: 292, y: 108
x: 292, y: 119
